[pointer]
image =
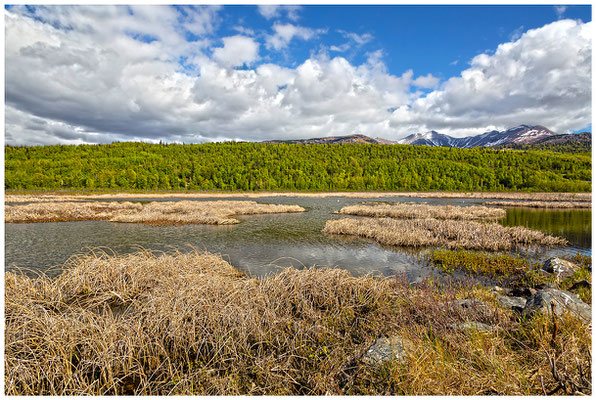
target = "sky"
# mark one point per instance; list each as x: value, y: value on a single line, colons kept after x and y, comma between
x: 194, y: 74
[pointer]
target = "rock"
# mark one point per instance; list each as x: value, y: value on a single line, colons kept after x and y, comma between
x: 387, y: 349
x: 563, y: 300
x: 546, y: 285
x: 514, y: 303
x: 580, y: 285
x: 469, y: 308
x: 561, y: 268
x: 520, y: 292
x: 476, y: 326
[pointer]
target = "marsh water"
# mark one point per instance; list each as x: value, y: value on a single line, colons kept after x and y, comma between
x: 260, y: 244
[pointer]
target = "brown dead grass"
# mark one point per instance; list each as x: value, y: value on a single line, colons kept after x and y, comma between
x: 447, y: 233
x: 155, y: 213
x: 413, y: 210
x: 541, y: 204
x: 67, y: 211
x: 148, y: 324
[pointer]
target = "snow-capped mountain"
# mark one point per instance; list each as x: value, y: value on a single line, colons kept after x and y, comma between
x: 522, y: 134
x: 431, y: 138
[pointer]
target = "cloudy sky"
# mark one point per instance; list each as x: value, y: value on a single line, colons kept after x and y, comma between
x: 98, y: 74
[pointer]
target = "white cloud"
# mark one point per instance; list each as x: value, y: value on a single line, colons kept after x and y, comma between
x: 354, y: 40
x: 426, y: 82
x: 542, y: 78
x: 237, y: 51
x: 284, y: 33
x: 560, y: 10
x: 272, y: 11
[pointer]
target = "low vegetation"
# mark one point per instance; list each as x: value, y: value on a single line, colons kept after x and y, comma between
x: 292, y: 167
x: 441, y: 233
x: 575, y: 197
x: 161, y: 324
x: 413, y: 210
x: 506, y: 269
x: 541, y: 204
x: 154, y: 213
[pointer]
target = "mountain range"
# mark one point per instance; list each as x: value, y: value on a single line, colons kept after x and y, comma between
x: 519, y: 135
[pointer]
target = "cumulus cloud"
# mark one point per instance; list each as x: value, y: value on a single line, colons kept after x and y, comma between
x: 236, y: 51
x: 542, y: 78
x: 284, y: 33
x: 104, y: 74
x: 560, y: 10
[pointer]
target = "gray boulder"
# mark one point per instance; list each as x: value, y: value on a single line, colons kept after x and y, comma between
x: 561, y: 268
x: 514, y: 303
x: 474, y: 326
x: 387, y: 349
x: 564, y: 301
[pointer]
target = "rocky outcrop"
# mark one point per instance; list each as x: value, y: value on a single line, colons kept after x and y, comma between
x: 387, y: 349
x: 561, y: 268
x: 514, y: 303
x: 563, y: 302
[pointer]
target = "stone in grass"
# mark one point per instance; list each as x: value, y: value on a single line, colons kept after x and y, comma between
x: 468, y: 308
x: 561, y: 268
x: 474, y: 326
x: 387, y: 349
x: 563, y: 300
x: 513, y: 302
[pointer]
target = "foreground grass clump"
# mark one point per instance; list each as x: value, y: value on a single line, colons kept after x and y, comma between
x: 507, y: 269
x: 441, y: 233
x: 154, y: 213
x: 541, y: 204
x: 413, y: 210
x: 192, y: 324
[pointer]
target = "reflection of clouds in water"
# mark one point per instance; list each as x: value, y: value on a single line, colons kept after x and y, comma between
x: 360, y: 260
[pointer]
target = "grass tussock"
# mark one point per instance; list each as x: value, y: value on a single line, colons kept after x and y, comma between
x: 413, y: 210
x: 67, y: 211
x: 541, y: 204
x: 154, y: 213
x: 506, y: 269
x: 150, y: 324
x: 441, y: 233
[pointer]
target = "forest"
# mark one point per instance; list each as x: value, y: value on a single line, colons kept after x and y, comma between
x: 242, y: 166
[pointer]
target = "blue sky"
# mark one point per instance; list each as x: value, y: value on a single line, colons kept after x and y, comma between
x: 85, y: 74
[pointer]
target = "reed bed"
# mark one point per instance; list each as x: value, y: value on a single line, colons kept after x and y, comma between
x: 577, y: 197
x: 67, y: 211
x: 541, y: 204
x: 413, y: 210
x: 155, y: 213
x: 162, y: 324
x: 441, y: 233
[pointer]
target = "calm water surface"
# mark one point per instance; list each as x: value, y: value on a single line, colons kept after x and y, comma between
x: 261, y: 243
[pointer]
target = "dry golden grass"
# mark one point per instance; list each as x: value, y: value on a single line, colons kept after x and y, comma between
x: 413, y: 210
x: 541, y: 204
x: 36, y: 197
x: 446, y: 233
x: 67, y: 211
x: 148, y: 324
x: 156, y: 213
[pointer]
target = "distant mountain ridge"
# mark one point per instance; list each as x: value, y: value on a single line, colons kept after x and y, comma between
x: 521, y: 134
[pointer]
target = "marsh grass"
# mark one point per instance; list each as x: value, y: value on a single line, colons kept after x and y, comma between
x: 541, y: 204
x: 441, y: 233
x: 154, y: 213
x: 413, y: 210
x: 158, y: 324
x: 506, y: 269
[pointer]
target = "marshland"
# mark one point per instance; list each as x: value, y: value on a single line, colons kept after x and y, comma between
x: 275, y: 304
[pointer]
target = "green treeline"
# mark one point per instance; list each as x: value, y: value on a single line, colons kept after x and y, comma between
x: 260, y: 166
